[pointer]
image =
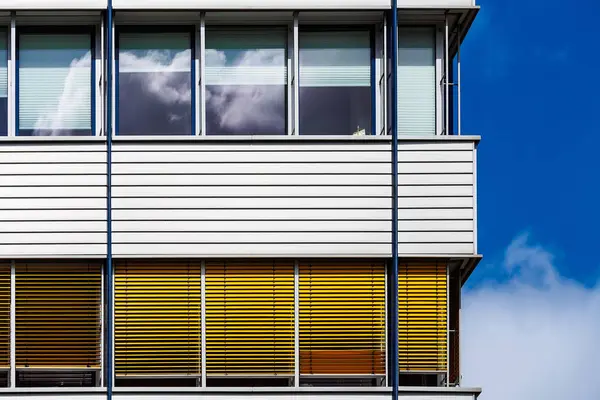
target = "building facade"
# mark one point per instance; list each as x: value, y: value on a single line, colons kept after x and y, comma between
x: 229, y: 200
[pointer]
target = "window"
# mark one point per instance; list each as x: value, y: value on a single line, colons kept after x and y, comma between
x: 154, y: 83
x: 335, y: 83
x: 55, y: 81
x: 416, y: 81
x: 3, y: 83
x: 246, y: 79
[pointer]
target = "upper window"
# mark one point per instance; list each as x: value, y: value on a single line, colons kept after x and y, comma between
x: 54, y: 84
x: 335, y: 83
x: 416, y: 81
x: 246, y: 78
x: 3, y: 83
x: 154, y: 83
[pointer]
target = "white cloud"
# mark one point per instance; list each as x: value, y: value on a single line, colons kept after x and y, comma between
x: 255, y: 104
x: 73, y: 100
x: 534, y: 336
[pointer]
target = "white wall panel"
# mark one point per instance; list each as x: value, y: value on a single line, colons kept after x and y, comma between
x: 251, y: 200
x: 52, y: 199
x: 256, y: 4
x: 436, y: 197
x: 53, y: 4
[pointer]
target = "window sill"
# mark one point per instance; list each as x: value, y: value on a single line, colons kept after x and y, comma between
x: 52, y: 139
x: 291, y: 138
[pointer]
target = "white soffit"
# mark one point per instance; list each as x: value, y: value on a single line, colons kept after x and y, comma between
x: 254, y: 4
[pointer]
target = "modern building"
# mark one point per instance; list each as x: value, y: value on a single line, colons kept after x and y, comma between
x: 262, y: 199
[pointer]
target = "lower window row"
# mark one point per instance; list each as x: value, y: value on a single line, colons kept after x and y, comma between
x: 242, y: 331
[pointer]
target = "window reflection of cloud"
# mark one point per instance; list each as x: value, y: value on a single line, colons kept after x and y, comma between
x: 73, y: 99
x: 160, y: 74
x: 254, y: 104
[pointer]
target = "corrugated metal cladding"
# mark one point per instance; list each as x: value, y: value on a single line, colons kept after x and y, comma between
x: 245, y: 199
x: 52, y: 200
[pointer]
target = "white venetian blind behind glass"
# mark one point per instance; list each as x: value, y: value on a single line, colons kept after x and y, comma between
x: 55, y: 82
x: 246, y: 57
x: 416, y: 81
x: 3, y: 65
x: 330, y: 59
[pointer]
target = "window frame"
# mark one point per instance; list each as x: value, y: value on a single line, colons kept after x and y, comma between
x: 88, y: 29
x: 148, y: 29
x: 332, y: 28
x: 288, y: 50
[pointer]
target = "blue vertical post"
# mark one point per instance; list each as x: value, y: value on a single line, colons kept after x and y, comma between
x: 108, y: 360
x: 394, y: 274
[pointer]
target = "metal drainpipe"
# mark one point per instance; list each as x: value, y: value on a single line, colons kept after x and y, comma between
x: 109, y: 267
x: 394, y: 275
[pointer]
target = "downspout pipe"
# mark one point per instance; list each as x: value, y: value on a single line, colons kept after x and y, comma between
x: 394, y: 274
x: 109, y: 262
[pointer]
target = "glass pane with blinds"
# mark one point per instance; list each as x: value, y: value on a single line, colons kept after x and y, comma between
x: 250, y: 318
x: 157, y: 319
x: 335, y: 83
x: 342, y: 318
x: 422, y: 316
x: 3, y: 83
x: 58, y: 315
x: 4, y: 316
x: 55, y: 85
x: 246, y: 80
x: 154, y: 83
x: 416, y: 81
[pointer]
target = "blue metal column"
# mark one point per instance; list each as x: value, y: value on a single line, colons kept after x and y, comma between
x: 108, y: 321
x: 394, y: 274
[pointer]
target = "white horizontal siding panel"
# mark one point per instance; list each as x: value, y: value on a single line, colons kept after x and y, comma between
x: 53, y: 191
x: 256, y: 4
x: 425, y: 214
x: 245, y: 203
x: 257, y: 168
x: 54, y: 169
x: 435, y: 237
x: 255, y: 237
x: 435, y: 155
x: 297, y: 146
x: 52, y: 157
x: 289, y: 216
x: 415, y: 249
x: 433, y: 179
x: 435, y: 145
x: 452, y: 225
x: 53, y: 199
x: 54, y: 203
x: 249, y: 180
x: 53, y: 4
x: 436, y: 167
x: 52, y: 215
x: 248, y: 191
x: 437, y: 190
x: 252, y: 226
x: 52, y: 180
x: 249, y: 156
x: 435, y: 202
x: 51, y: 227
x: 185, y: 250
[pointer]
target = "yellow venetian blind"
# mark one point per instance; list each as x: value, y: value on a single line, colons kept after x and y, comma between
x: 342, y: 317
x: 4, y: 315
x: 57, y: 314
x: 422, y: 313
x: 249, y: 317
x: 157, y: 318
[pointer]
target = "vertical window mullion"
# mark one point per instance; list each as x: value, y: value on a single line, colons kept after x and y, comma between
x: 295, y: 117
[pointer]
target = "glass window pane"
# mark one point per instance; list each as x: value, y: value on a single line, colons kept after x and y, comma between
x: 3, y: 83
x: 55, y: 85
x: 154, y: 84
x: 416, y: 81
x: 246, y: 79
x: 335, y: 83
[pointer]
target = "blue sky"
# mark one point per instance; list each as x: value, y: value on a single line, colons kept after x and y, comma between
x: 530, y: 89
x: 531, y: 311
